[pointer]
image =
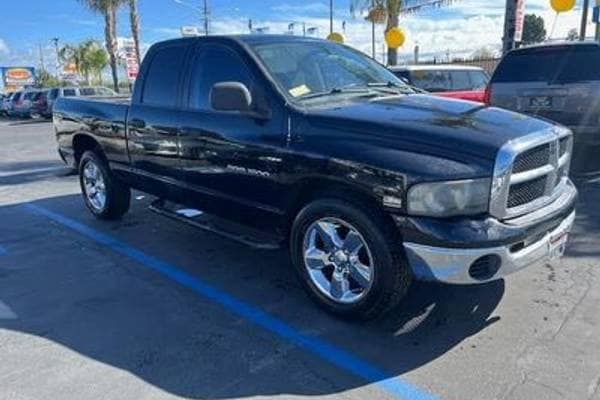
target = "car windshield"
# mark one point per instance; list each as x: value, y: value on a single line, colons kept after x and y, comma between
x: 306, y: 69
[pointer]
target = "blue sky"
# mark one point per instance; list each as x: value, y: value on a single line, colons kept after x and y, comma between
x: 460, y: 29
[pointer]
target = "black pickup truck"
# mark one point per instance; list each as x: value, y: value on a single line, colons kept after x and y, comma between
x: 313, y: 146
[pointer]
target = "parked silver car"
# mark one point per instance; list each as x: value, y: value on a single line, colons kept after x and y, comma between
x: 75, y: 91
x: 561, y: 82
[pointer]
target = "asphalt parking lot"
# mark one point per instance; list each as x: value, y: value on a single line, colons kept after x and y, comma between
x: 147, y: 308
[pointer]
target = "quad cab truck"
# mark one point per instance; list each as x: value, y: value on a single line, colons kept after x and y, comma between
x: 310, y: 145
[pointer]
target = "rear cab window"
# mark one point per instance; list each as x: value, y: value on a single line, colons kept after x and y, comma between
x: 557, y: 64
x: 163, y: 77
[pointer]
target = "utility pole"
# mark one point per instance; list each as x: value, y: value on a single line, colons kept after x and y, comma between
x: 584, y: 20
x: 55, y: 41
x: 373, y: 34
x: 598, y: 22
x: 510, y: 26
x: 42, y: 64
x: 330, y: 16
x: 206, y: 13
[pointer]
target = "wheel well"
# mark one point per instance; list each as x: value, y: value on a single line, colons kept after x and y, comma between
x: 313, y: 189
x: 83, y: 143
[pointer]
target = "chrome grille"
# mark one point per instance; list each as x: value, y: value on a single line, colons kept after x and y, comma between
x: 526, y: 192
x: 533, y: 158
x: 530, y: 172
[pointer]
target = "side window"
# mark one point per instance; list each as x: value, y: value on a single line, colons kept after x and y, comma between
x: 69, y: 92
x: 479, y: 79
x: 162, y: 79
x: 215, y: 64
x: 460, y: 80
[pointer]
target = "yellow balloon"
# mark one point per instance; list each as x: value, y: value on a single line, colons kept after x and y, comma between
x: 336, y: 37
x: 395, y: 38
x: 562, y: 5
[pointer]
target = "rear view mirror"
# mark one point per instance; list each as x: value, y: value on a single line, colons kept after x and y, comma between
x: 230, y: 96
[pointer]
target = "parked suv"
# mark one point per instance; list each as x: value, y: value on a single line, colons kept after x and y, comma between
x: 14, y: 102
x: 39, y: 105
x: 560, y: 82
x: 454, y: 81
x: 5, y: 103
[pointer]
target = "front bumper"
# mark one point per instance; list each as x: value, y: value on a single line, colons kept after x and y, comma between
x: 476, y: 251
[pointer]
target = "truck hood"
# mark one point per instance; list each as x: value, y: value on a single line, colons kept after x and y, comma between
x: 431, y: 125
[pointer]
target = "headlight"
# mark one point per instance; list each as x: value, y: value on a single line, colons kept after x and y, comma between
x: 446, y: 199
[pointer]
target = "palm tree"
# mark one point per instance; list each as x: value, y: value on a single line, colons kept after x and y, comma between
x: 108, y: 9
x: 88, y: 57
x: 389, y: 12
x: 134, y: 19
x: 98, y: 60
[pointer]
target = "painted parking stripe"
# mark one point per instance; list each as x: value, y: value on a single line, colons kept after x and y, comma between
x: 3, y: 251
x: 342, y: 359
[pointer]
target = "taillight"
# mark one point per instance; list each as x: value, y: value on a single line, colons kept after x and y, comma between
x: 487, y: 96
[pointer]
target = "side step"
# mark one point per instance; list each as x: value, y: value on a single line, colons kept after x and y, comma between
x: 222, y: 227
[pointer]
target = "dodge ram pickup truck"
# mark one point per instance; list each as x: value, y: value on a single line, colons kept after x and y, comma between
x: 313, y: 146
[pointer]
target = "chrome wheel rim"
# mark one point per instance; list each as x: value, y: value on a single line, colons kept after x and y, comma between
x: 94, y: 186
x: 338, y: 260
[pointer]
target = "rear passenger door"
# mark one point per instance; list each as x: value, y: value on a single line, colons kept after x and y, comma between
x: 153, y: 120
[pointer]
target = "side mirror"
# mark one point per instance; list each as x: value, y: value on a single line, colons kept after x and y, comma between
x: 230, y: 96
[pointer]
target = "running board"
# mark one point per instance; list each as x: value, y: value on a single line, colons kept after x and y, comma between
x: 219, y: 226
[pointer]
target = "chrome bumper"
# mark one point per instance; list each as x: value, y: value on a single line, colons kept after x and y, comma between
x: 453, y: 265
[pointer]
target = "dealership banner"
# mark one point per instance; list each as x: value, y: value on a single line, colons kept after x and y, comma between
x: 18, y: 77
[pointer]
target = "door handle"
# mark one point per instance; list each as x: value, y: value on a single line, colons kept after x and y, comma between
x: 137, y: 124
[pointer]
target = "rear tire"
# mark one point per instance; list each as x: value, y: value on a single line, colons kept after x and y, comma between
x: 367, y: 295
x: 105, y: 196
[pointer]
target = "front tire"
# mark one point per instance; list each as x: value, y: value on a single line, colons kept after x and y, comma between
x: 348, y: 259
x: 106, y: 197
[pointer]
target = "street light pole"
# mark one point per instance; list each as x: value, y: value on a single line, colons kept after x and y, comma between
x: 206, y: 13
x: 584, y: 20
x: 373, y: 35
x: 598, y: 23
x: 330, y: 16
x: 55, y: 41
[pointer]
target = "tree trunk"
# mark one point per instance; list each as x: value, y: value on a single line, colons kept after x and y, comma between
x: 393, y: 22
x: 110, y: 33
x: 135, y: 27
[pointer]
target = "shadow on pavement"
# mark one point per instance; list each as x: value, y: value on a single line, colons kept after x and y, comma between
x: 82, y: 295
x: 583, y: 242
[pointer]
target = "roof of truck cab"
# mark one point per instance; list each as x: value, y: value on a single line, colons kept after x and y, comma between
x: 250, y: 39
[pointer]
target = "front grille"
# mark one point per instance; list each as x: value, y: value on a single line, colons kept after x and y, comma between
x: 526, y: 192
x: 530, y: 173
x: 532, y: 159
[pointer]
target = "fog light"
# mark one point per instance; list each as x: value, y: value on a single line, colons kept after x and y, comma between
x: 485, y: 267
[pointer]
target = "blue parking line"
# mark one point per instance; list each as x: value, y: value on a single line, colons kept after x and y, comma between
x: 342, y: 359
x: 3, y: 251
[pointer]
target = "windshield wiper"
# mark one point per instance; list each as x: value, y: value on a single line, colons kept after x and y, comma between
x: 392, y: 87
x: 334, y: 91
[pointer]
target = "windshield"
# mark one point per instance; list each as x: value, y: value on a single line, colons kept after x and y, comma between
x: 304, y: 69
